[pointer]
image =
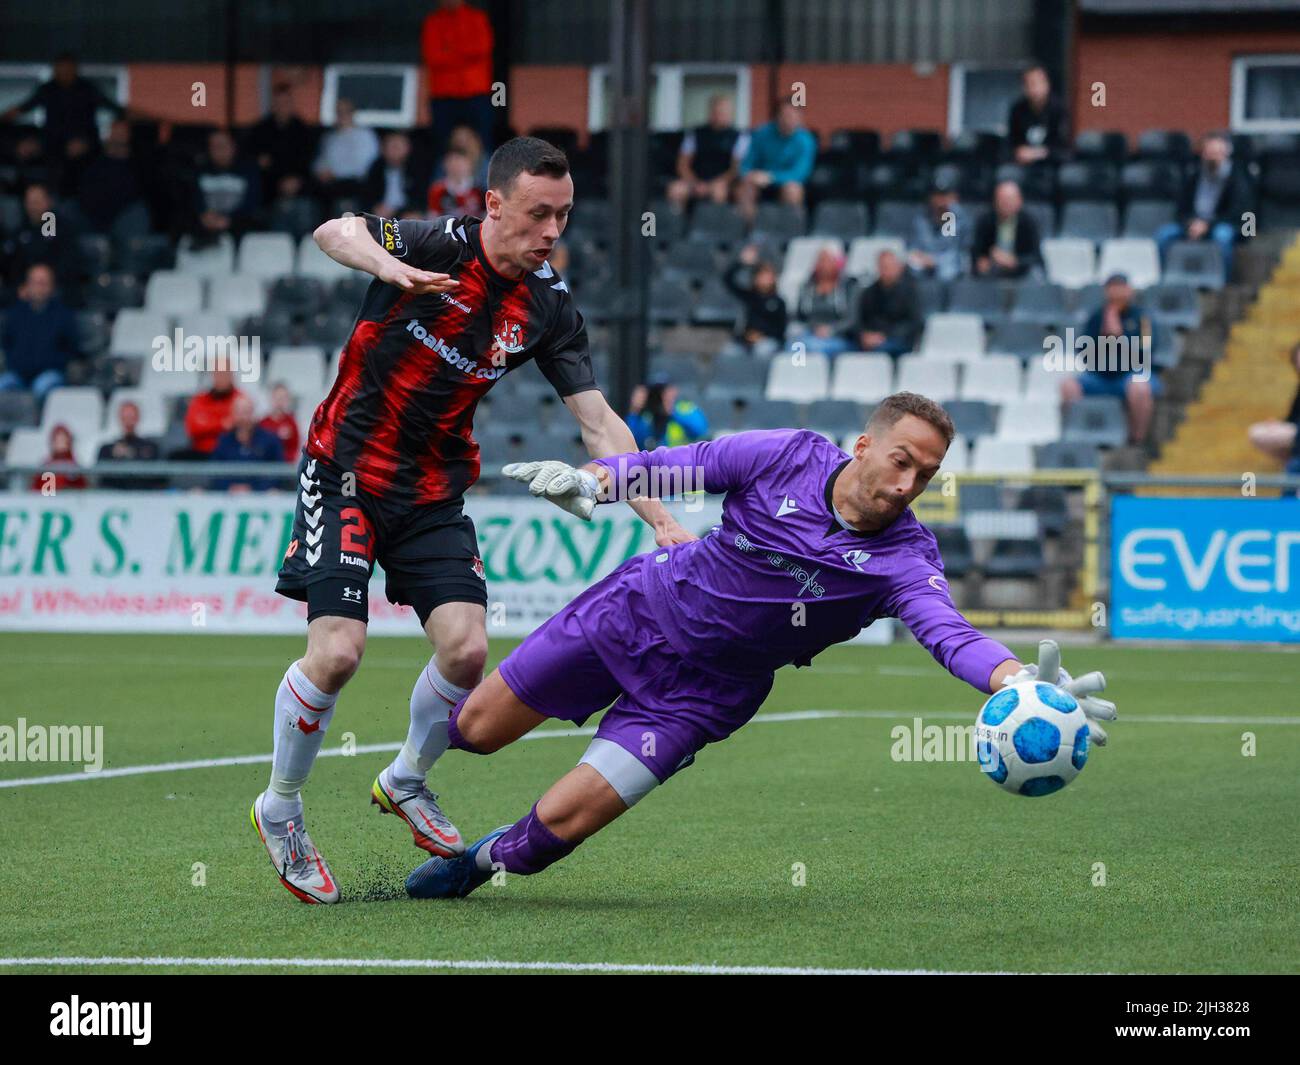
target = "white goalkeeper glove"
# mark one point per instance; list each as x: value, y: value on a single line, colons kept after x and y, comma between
x: 1049, y: 671
x: 570, y: 489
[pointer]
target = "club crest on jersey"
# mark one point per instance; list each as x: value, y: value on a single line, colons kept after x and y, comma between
x: 857, y: 559
x: 510, y: 339
x: 477, y: 567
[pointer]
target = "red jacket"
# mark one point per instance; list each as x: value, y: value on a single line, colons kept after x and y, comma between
x: 457, y: 50
x: 207, y: 417
x: 286, y: 431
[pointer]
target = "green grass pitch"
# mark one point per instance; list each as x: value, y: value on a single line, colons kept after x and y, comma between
x: 906, y: 865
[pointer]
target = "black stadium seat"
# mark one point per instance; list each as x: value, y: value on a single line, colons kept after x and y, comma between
x: 1109, y: 145
x: 845, y: 219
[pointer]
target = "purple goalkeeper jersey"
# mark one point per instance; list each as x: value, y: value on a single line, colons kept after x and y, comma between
x: 782, y: 578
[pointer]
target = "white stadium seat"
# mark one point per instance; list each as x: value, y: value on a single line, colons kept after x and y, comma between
x: 237, y: 295
x: 800, y: 255
x: 1029, y: 421
x: 992, y: 455
x: 266, y: 255
x: 312, y: 262
x: 215, y: 260
x: 1136, y: 257
x: 27, y: 447
x: 172, y: 294
x: 1070, y: 261
x: 302, y: 369
x: 206, y: 324
x: 993, y: 379
x: 935, y: 378
x: 153, y: 412
x: 80, y: 409
x: 802, y: 381
x: 862, y: 377
x: 958, y: 458
x: 953, y: 336
x: 1042, y: 383
x: 863, y: 253
x: 134, y: 332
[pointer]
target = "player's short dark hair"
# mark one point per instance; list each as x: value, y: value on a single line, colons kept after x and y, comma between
x: 525, y: 155
x: 892, y: 408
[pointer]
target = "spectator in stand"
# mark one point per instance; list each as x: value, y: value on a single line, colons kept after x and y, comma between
x: 112, y: 194
x: 39, y: 337
x: 889, y: 310
x: 1280, y: 440
x: 129, y: 447
x: 227, y: 192
x: 779, y: 161
x: 346, y: 154
x: 456, y: 42
x: 30, y: 165
x: 1037, y: 127
x: 709, y: 160
x: 61, y: 462
x: 41, y: 237
x: 658, y: 418
x: 394, y: 187
x: 209, y: 413
x: 245, y: 441
x: 464, y: 139
x: 1006, y: 238
x: 70, y: 102
x: 281, y: 143
x: 825, y: 305
x: 1133, y: 380
x: 941, y: 234
x: 455, y: 192
x: 763, y: 323
x: 1215, y: 196
x: 281, y: 422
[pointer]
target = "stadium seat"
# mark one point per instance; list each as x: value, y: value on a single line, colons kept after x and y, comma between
x: 1197, y: 263
x: 113, y: 292
x: 670, y: 302
x: 173, y: 294
x: 1144, y: 217
x: 778, y: 223
x: 1097, y: 420
x: 1049, y: 503
x: 312, y: 262
x: 1029, y: 421
x: 27, y: 447
x: 92, y: 332
x: 1022, y: 339
x: 145, y: 253
x: 991, y: 455
x: 957, y: 460
x: 844, y: 219
x: 304, y: 295
x: 862, y: 378
x: 838, y: 417
x: 935, y: 378
x: 716, y: 305
x: 955, y: 547
x: 690, y: 261
x: 1136, y: 257
x: 153, y: 412
x: 716, y: 223
x: 993, y: 379
x: 800, y: 255
x: 933, y: 294
x: 1041, y: 383
x: 999, y: 522
x: 1070, y: 261
x: 1150, y: 179
x: 172, y: 383
x: 894, y: 219
x: 1020, y: 557
x: 266, y: 255
x: 801, y: 381
x: 1101, y: 144
x: 1042, y: 303
x: 17, y: 411
x: 1163, y: 144
x: 863, y: 253
x: 952, y: 336
x: 1066, y: 455
x: 1090, y: 221
x: 975, y: 295
x: 213, y: 260
x: 770, y: 414
x: 134, y: 332
x: 301, y: 368
x: 972, y: 418
x: 80, y: 409
x: 238, y: 295
x: 1175, y: 306
x: 1087, y: 179
x: 206, y: 324
x: 1044, y: 213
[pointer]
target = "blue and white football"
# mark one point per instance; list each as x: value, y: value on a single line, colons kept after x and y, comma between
x: 1031, y: 738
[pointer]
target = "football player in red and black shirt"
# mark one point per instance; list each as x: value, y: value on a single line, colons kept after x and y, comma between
x: 456, y: 304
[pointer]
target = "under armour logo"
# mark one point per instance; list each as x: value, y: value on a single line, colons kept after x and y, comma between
x: 788, y: 506
x: 352, y: 595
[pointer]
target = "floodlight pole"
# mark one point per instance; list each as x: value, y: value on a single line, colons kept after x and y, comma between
x: 629, y: 87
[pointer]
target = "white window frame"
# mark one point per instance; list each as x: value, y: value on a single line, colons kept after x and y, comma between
x: 668, y: 92
x: 1241, y: 65
x: 404, y: 117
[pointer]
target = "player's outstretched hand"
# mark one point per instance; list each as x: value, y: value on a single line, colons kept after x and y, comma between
x: 568, y: 488
x: 409, y: 279
x: 1084, y: 689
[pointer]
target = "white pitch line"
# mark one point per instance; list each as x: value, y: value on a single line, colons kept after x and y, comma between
x: 480, y: 964
x: 776, y: 717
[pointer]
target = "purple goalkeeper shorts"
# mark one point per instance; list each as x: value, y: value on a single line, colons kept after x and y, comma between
x: 606, y: 647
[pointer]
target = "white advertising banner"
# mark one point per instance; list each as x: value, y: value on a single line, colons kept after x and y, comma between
x: 175, y: 562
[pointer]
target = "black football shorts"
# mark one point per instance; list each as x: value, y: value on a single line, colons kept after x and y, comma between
x: 429, y: 552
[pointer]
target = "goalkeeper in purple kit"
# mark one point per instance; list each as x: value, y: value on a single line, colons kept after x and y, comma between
x: 814, y: 545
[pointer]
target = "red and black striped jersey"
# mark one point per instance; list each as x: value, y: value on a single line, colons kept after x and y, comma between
x: 401, y: 411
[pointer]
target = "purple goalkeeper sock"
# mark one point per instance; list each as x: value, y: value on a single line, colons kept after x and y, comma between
x: 528, y: 846
x: 454, y: 738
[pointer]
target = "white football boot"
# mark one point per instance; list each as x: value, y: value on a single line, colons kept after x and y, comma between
x: 296, y: 860
x: 432, y: 830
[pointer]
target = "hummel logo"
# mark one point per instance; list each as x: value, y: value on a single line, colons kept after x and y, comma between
x: 856, y: 559
x: 788, y: 506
